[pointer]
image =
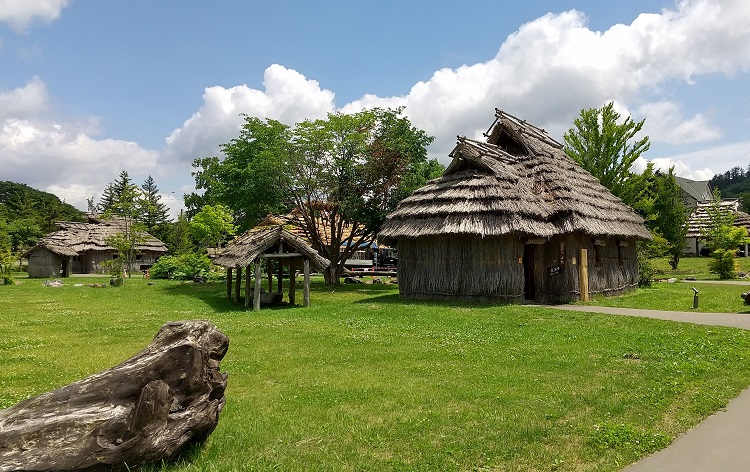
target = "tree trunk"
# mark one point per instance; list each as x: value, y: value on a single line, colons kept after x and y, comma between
x: 332, y: 274
x: 141, y: 411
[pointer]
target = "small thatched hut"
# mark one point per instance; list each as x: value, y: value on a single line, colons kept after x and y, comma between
x: 699, y: 221
x: 80, y: 248
x: 513, y: 219
x: 264, y: 245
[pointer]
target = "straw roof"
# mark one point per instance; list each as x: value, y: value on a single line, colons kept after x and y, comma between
x: 246, y: 248
x: 294, y: 222
x: 518, y: 182
x: 699, y: 220
x: 75, y: 238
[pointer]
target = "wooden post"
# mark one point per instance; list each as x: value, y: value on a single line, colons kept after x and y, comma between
x: 292, y: 282
x: 270, y: 275
x: 229, y: 282
x: 237, y: 283
x: 247, y: 286
x: 258, y: 280
x: 281, y: 277
x: 583, y: 275
x: 306, y: 292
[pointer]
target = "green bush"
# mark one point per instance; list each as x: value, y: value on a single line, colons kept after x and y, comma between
x: 723, y: 264
x: 181, y: 267
x: 646, y: 268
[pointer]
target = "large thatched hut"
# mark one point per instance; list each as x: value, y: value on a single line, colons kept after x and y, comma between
x: 81, y: 248
x: 509, y: 221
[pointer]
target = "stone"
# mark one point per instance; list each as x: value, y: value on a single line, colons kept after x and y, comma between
x: 141, y: 411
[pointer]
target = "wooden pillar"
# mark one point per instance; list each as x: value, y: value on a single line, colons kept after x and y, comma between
x: 292, y: 282
x: 247, y: 286
x: 306, y: 292
x: 281, y: 277
x: 237, y: 283
x: 256, y: 291
x: 270, y: 275
x: 229, y: 282
x: 583, y: 274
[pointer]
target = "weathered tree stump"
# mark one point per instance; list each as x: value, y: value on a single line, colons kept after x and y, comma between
x: 143, y: 410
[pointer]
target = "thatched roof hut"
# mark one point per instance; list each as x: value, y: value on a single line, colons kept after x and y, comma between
x: 268, y: 243
x: 507, y: 220
x: 81, y: 248
x: 699, y: 221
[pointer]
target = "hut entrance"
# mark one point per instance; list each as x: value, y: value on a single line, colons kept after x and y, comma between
x: 529, y: 287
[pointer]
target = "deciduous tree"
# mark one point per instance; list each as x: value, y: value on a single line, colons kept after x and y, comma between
x: 670, y: 216
x: 606, y: 147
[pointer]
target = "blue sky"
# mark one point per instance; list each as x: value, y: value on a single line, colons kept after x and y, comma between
x: 90, y: 88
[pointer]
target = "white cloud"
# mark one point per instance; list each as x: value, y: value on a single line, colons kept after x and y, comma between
x: 20, y: 13
x: 64, y: 156
x: 665, y: 123
x: 692, y: 165
x: 289, y: 97
x: 545, y: 72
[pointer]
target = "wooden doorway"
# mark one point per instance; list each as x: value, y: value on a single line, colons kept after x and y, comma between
x: 529, y: 285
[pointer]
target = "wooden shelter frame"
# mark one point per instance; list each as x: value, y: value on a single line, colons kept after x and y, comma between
x: 262, y: 246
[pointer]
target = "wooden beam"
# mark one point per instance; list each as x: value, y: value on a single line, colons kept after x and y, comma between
x: 247, y: 286
x: 229, y: 282
x: 278, y: 255
x: 258, y: 280
x: 292, y: 282
x: 237, y: 283
x: 281, y: 278
x: 583, y: 275
x: 306, y: 292
x: 269, y: 269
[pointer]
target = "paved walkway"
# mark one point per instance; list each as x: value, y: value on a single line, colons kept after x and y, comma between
x: 721, y: 443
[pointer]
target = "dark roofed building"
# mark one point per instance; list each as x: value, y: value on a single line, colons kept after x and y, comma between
x: 507, y: 222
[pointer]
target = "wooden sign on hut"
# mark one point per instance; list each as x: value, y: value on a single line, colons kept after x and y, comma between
x: 514, y: 219
x: 276, y: 248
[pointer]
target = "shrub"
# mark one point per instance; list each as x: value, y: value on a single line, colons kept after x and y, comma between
x: 184, y: 266
x: 646, y: 268
x: 723, y: 264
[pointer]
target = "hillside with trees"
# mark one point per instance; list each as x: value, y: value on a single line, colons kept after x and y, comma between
x: 19, y: 201
x: 734, y: 183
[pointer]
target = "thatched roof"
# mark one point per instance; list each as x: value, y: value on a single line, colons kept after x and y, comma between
x: 699, y: 220
x: 294, y: 222
x: 518, y: 182
x: 75, y: 238
x: 244, y: 249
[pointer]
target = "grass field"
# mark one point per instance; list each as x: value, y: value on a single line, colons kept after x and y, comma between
x: 694, y: 267
x: 363, y: 381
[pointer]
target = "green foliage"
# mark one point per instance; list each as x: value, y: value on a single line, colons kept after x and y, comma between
x: 125, y: 242
x: 723, y: 263
x: 211, y: 225
x: 723, y: 238
x: 251, y: 178
x: 646, y: 269
x: 152, y: 212
x: 178, y: 240
x: 6, y: 253
x: 670, y: 216
x: 183, y: 266
x: 627, y: 437
x: 605, y: 148
x: 19, y: 201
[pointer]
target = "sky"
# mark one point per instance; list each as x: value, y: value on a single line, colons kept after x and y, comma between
x: 89, y: 88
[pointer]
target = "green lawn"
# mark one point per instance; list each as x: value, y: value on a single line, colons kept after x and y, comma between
x: 693, y: 267
x: 363, y: 381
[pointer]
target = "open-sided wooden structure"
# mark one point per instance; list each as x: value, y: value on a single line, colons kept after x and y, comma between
x: 700, y: 220
x: 261, y: 246
x: 513, y: 219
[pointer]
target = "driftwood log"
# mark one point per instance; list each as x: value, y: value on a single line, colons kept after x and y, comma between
x: 141, y: 411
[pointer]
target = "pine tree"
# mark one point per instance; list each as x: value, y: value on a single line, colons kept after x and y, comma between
x: 152, y: 211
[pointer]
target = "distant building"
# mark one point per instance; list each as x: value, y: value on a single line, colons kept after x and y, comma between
x: 693, y: 192
x: 699, y: 220
x: 80, y: 248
